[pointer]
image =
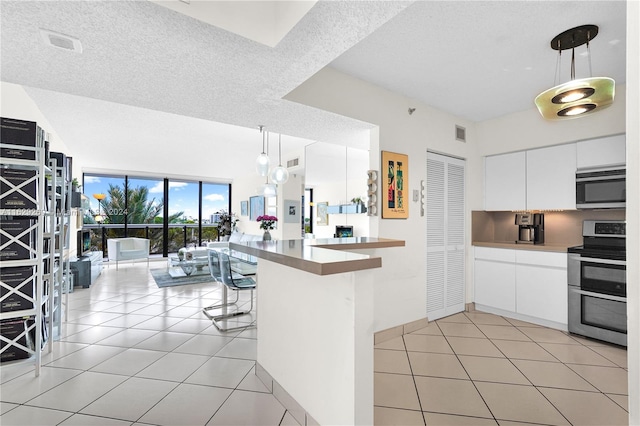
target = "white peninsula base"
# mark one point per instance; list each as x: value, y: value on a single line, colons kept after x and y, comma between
x: 315, y: 339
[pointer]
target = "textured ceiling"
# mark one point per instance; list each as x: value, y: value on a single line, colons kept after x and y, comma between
x: 136, y: 53
x: 485, y: 59
x: 157, y: 83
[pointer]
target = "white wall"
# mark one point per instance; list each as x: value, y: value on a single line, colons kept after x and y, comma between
x: 243, y: 188
x: 290, y: 191
x: 397, y: 131
x: 433, y: 130
x: 633, y: 207
x: 246, y: 187
x: 526, y: 130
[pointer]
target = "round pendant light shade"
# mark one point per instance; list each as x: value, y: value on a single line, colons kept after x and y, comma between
x: 279, y: 175
x: 579, y: 96
x: 262, y: 164
x: 268, y: 190
x: 576, y: 98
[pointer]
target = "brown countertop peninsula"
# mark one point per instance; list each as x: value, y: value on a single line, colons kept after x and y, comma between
x: 322, y: 256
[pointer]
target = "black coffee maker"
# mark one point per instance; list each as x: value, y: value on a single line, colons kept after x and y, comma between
x: 530, y: 228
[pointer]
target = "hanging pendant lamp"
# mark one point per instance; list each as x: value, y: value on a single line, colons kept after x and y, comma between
x: 268, y: 189
x: 262, y: 162
x: 279, y: 175
x: 579, y: 96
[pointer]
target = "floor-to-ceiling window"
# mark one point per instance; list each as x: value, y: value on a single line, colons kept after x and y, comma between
x: 171, y: 213
x: 144, y: 206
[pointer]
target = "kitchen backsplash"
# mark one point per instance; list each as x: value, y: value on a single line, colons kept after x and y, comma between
x: 560, y: 228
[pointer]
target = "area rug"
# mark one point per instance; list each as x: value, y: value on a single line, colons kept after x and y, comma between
x: 163, y: 279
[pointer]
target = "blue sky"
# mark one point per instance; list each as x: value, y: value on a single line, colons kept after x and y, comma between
x: 183, y: 195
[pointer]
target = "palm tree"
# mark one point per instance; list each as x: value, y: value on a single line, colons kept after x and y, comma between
x: 136, y: 209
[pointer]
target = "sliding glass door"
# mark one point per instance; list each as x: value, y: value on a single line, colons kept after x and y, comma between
x: 170, y: 213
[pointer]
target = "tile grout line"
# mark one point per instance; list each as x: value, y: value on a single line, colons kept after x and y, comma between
x: 413, y: 378
x: 465, y: 370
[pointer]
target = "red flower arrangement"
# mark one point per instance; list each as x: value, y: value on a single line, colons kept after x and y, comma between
x: 267, y: 222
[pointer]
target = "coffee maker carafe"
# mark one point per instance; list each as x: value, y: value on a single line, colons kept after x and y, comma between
x: 530, y: 228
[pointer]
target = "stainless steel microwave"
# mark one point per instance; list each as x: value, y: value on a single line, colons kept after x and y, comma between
x: 601, y: 188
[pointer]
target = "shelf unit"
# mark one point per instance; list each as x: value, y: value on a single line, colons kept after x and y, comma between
x: 26, y: 252
x: 59, y: 277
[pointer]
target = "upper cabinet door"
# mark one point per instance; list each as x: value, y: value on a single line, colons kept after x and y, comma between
x: 505, y: 182
x: 551, y: 178
x: 602, y: 152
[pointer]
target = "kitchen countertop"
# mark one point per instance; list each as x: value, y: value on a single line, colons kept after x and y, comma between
x: 320, y: 256
x: 558, y: 248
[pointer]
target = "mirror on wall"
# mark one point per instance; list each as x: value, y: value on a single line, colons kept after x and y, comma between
x: 338, y: 177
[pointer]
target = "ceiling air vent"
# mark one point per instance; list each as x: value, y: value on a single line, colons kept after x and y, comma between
x: 61, y: 41
x: 461, y: 133
x: 293, y: 163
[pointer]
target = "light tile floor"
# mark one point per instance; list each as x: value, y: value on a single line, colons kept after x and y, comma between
x: 475, y: 368
x: 135, y: 354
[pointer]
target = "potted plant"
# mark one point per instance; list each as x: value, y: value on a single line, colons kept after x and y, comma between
x: 267, y: 223
x: 75, y: 185
x: 226, y: 224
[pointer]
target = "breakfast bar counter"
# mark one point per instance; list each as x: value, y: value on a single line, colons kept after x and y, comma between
x: 315, y: 321
x: 319, y: 256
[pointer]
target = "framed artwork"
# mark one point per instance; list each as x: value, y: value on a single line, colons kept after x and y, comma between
x: 395, y: 188
x: 244, y: 208
x: 322, y: 214
x: 256, y: 207
x: 291, y: 211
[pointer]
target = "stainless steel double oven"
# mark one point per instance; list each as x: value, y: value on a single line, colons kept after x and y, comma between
x: 597, y: 283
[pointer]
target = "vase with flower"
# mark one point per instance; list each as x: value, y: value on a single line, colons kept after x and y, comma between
x: 267, y: 223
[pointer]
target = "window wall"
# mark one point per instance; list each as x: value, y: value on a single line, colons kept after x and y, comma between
x: 170, y: 213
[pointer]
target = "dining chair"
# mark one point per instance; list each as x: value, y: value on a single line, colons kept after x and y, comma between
x: 230, y: 280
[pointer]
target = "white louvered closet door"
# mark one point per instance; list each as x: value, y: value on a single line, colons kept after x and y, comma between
x: 445, y: 235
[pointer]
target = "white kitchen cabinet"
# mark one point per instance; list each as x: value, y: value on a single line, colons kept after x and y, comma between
x: 541, y: 285
x: 505, y: 182
x: 529, y: 285
x: 551, y: 178
x: 494, y: 278
x: 601, y: 152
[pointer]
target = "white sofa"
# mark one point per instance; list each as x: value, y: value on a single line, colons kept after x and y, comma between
x: 241, y: 263
x: 130, y: 248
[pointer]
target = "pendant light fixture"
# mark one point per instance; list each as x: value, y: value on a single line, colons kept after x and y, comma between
x: 268, y: 189
x: 579, y: 96
x: 262, y: 162
x: 279, y: 175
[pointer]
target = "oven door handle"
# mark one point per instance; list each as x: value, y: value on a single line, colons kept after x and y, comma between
x: 606, y: 261
x: 600, y: 178
x: 599, y: 295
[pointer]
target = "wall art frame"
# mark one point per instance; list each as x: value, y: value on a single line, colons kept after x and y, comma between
x: 322, y: 213
x: 395, y: 185
x: 256, y: 207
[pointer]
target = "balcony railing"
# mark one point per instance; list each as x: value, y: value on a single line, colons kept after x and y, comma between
x: 180, y: 235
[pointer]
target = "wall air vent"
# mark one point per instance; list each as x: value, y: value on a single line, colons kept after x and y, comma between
x: 461, y: 133
x: 61, y: 41
x: 293, y: 163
